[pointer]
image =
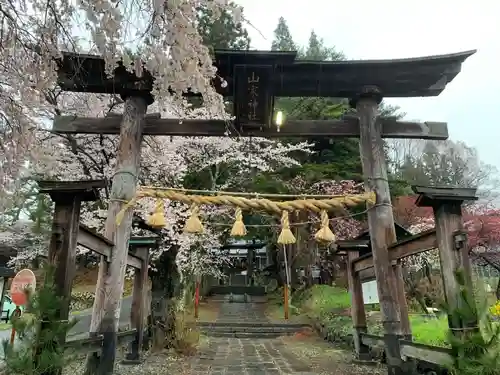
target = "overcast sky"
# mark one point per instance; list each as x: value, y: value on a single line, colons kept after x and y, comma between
x: 384, y: 29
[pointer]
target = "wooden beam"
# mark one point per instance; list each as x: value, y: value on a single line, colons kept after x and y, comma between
x: 430, y: 196
x: 133, y: 260
x: 347, y: 127
x: 416, y: 244
x: 101, y: 245
x: 427, y: 353
x: 87, y: 190
x: 95, y: 242
x: 354, y: 245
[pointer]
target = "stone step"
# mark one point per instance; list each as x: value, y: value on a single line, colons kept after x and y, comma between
x: 240, y: 324
x: 238, y: 289
x: 243, y: 335
x: 250, y: 329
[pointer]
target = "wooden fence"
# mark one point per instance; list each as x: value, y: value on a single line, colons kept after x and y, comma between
x: 67, y: 233
x: 451, y: 242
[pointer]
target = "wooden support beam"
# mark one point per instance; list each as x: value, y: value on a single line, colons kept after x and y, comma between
x: 87, y: 190
x: 358, y: 313
x: 354, y: 245
x: 95, y: 242
x: 101, y: 245
x: 138, y: 311
x: 111, y: 274
x: 347, y: 127
x: 413, y: 245
x: 68, y: 197
x: 380, y: 223
x: 133, y: 260
x: 451, y: 239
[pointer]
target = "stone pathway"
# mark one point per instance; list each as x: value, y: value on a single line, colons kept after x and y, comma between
x: 231, y: 356
x: 248, y: 356
x: 241, y: 312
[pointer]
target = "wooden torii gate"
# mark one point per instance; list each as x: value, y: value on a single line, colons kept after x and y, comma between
x: 253, y: 79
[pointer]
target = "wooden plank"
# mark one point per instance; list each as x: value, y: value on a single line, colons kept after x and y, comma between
x: 416, y: 244
x: 372, y: 340
x: 343, y: 128
x: 431, y: 354
x: 94, y: 343
x: 95, y: 242
x: 111, y: 276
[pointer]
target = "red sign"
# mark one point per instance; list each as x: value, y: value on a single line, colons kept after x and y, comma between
x: 25, y: 279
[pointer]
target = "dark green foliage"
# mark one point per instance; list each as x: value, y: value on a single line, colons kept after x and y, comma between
x: 477, y: 350
x: 36, y: 350
x: 283, y: 40
x: 222, y: 32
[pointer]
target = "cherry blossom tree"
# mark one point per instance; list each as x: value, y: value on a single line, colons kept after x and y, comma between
x: 481, y: 222
x: 34, y: 35
x: 165, y: 162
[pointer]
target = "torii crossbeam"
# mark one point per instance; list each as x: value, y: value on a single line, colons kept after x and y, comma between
x: 346, y: 127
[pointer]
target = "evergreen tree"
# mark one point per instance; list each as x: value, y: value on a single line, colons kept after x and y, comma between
x: 316, y: 50
x: 223, y: 32
x: 283, y: 40
x: 334, y: 158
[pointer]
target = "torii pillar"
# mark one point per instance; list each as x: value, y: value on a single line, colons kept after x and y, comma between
x: 381, y: 226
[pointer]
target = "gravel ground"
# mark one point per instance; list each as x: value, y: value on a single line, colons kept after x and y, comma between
x: 324, y: 358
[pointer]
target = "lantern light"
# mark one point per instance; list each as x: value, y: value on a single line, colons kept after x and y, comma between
x: 279, y: 120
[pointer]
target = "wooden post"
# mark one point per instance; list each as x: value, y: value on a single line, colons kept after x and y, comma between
x: 196, y: 297
x: 285, y: 298
x: 137, y: 313
x: 68, y: 197
x: 362, y: 352
x: 403, y: 305
x: 453, y: 251
x: 250, y: 260
x: 107, y: 303
x: 380, y: 222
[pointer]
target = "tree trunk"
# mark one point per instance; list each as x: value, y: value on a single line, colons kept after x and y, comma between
x: 107, y: 303
x: 163, y: 290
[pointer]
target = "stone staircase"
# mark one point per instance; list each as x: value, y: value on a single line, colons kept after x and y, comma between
x: 242, y: 316
x: 251, y: 330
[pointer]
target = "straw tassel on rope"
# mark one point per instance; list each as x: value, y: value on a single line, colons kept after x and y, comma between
x: 157, y: 219
x: 238, y: 229
x: 324, y: 234
x: 286, y: 236
x: 193, y: 224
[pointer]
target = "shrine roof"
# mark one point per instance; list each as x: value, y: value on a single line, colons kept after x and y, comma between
x: 409, y: 77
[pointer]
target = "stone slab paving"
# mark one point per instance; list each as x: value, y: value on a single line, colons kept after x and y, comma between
x: 232, y: 356
x: 245, y: 356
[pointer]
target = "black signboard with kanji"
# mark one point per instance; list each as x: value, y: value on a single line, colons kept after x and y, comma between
x: 252, y: 95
